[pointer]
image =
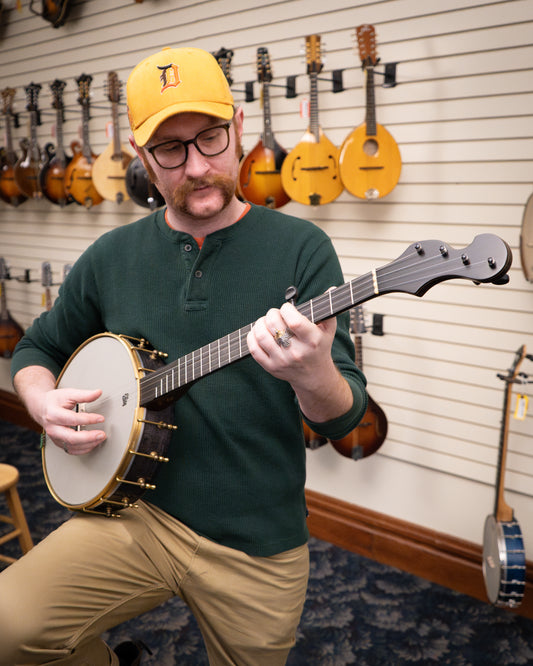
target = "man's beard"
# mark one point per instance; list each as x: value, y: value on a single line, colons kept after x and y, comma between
x: 178, y: 197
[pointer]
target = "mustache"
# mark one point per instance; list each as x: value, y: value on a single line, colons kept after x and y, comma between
x: 193, y: 184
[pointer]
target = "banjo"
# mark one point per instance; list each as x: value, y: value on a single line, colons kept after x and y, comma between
x: 139, y: 387
x: 504, y: 559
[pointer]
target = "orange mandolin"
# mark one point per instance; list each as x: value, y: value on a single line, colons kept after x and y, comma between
x: 370, y: 161
x: 260, y: 171
x: 30, y: 163
x: 310, y: 172
x: 10, y: 331
x: 371, y: 431
x: 10, y: 192
x: 78, y: 174
x: 109, y: 169
x: 52, y: 176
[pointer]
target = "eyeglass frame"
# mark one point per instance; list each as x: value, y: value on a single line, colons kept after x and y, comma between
x: 187, y: 143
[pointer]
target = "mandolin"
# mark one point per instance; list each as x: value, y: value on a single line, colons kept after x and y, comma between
x: 370, y: 434
x: 10, y: 192
x: 504, y: 560
x: 139, y: 186
x: 370, y: 161
x: 30, y: 163
x: 109, y: 169
x: 310, y: 172
x: 52, y: 175
x: 10, y: 331
x: 260, y: 171
x: 54, y: 11
x: 78, y: 174
x: 46, y: 282
x: 140, y: 388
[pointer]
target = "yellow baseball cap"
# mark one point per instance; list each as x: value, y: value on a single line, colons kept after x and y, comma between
x: 175, y: 81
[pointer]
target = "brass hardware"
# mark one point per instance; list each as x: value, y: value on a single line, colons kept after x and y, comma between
x: 140, y: 482
x: 159, y: 424
x: 158, y: 354
x: 124, y: 504
x: 141, y: 341
x: 141, y: 369
x: 108, y: 513
x: 153, y: 455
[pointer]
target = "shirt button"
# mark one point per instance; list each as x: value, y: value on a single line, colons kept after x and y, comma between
x: 198, y: 274
x: 187, y: 247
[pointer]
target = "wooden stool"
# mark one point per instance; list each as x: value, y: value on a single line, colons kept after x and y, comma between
x: 8, y: 484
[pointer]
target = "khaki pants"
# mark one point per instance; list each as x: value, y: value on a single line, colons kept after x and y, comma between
x: 93, y: 573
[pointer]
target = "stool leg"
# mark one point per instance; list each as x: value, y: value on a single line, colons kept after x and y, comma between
x: 19, y: 519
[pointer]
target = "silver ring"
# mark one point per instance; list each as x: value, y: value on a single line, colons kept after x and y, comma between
x: 283, y: 338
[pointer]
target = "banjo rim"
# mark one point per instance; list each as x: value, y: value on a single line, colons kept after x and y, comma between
x: 135, y: 434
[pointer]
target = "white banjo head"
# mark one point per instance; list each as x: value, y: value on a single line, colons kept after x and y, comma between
x: 106, y: 363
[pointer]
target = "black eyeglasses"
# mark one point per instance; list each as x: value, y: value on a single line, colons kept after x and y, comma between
x: 209, y: 142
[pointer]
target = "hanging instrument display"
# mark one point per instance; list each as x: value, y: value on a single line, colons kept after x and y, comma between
x: 370, y: 433
x: 370, y: 161
x: 30, y: 163
x: 52, y: 175
x: 504, y: 559
x: 109, y: 169
x: 10, y: 330
x: 260, y: 171
x: 10, y: 192
x: 78, y: 174
x: 310, y: 172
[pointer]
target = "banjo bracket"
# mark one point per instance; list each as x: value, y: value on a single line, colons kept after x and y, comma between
x: 142, y: 345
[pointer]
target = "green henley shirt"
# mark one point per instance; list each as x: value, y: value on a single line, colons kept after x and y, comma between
x: 237, y: 461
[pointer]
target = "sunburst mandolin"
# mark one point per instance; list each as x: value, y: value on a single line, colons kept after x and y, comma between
x: 370, y: 161
x: 260, y: 171
x: 30, y: 163
x: 310, y: 172
x: 10, y: 330
x: 52, y: 176
x: 78, y: 174
x: 10, y: 192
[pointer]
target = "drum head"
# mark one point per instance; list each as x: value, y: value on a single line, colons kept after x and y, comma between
x: 103, y: 362
x: 526, y: 241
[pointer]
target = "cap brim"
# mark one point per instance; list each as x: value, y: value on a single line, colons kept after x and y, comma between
x: 143, y: 133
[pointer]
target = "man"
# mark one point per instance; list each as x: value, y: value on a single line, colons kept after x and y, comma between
x: 225, y: 526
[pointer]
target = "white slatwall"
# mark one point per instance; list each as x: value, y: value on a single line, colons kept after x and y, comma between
x: 462, y: 114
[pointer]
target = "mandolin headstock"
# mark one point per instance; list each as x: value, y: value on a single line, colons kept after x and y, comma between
x: 264, y: 72
x: 313, y: 55
x: 366, y: 41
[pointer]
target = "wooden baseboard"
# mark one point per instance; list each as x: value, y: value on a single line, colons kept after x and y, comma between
x: 13, y: 411
x: 437, y: 557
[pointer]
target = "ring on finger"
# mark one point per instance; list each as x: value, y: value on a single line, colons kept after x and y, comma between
x: 283, y: 337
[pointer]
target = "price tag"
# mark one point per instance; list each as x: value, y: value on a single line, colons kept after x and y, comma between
x: 521, y: 407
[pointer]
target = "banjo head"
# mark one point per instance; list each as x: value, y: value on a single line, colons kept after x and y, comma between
x: 105, y: 361
x: 504, y: 565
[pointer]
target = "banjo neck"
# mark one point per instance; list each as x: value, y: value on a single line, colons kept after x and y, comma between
x: 415, y: 271
x: 502, y: 511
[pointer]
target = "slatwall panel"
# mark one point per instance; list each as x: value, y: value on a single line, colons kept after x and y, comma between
x: 462, y: 116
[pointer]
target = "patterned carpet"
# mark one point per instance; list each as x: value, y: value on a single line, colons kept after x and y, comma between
x: 357, y: 611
